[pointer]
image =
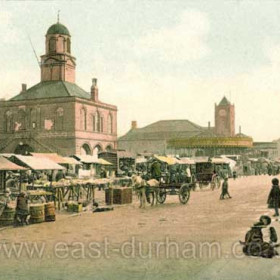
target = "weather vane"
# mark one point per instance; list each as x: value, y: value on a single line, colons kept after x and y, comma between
x: 58, y: 16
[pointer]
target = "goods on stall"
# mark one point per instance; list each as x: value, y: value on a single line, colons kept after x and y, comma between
x: 37, y: 213
x: 7, y: 217
x: 49, y: 212
x: 74, y: 207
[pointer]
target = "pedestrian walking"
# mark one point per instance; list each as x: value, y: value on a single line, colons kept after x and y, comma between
x: 273, y: 200
x: 225, y: 189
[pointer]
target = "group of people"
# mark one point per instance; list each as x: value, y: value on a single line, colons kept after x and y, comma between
x: 254, y: 244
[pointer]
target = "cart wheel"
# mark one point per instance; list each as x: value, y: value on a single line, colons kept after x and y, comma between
x: 184, y: 194
x: 161, y: 196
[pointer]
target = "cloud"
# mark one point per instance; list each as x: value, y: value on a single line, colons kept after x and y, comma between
x: 184, y: 41
x: 8, y: 31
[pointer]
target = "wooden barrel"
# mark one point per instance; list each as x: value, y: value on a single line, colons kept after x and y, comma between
x: 7, y: 217
x: 49, y: 212
x: 37, y: 213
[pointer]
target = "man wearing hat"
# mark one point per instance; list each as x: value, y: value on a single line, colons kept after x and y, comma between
x: 156, y: 170
x: 273, y: 200
x: 254, y: 244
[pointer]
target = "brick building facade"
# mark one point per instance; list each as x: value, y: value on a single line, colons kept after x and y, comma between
x: 56, y: 115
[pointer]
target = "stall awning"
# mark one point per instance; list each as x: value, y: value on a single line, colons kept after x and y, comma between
x: 51, y: 156
x: 169, y: 161
x: 36, y: 163
x: 218, y: 160
x: 185, y: 161
x: 92, y: 160
x: 104, y: 162
x: 70, y: 160
x: 6, y: 165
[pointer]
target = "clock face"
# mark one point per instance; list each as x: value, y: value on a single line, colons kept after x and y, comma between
x: 222, y: 113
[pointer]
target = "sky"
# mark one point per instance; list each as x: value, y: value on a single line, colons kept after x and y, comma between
x: 158, y: 59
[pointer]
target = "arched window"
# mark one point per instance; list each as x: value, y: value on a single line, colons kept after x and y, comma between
x: 83, y: 119
x: 68, y: 45
x: 59, y: 119
x: 52, y: 44
x: 9, y: 121
x: 85, y: 149
x: 21, y: 120
x: 109, y: 148
x: 110, y: 124
x: 33, y: 118
x: 96, y: 150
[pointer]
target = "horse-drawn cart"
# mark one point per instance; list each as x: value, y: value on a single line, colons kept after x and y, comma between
x: 182, y: 190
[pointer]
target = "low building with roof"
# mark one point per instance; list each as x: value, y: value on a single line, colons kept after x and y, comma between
x: 56, y: 115
x: 185, y: 138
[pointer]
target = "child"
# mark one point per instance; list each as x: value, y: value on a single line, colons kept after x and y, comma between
x: 225, y: 189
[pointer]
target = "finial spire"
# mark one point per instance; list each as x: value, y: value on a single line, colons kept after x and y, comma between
x: 58, y: 16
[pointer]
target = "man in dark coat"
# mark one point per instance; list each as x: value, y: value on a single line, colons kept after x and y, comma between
x: 225, y: 189
x: 22, y: 209
x: 274, y: 197
x: 156, y: 170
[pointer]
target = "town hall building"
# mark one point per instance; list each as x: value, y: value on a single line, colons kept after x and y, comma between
x: 56, y: 115
x: 185, y: 138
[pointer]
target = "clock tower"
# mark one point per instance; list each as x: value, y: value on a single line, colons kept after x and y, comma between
x: 225, y: 118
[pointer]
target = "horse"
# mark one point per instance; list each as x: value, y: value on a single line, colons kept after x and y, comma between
x: 144, y: 189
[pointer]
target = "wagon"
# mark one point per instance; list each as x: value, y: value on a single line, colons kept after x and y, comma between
x: 173, y: 181
x: 204, y: 172
x: 180, y: 189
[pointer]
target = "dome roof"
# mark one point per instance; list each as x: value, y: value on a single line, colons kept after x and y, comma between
x: 58, y: 28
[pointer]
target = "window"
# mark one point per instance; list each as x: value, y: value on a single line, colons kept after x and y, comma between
x: 83, y: 119
x: 33, y: 118
x: 110, y: 124
x: 68, y: 45
x: 59, y: 119
x: 93, y: 123
x: 9, y: 121
x: 21, y: 122
x: 98, y: 122
x: 101, y: 124
x: 52, y: 44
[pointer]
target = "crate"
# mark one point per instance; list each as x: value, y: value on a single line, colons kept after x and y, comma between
x: 109, y: 193
x: 122, y: 196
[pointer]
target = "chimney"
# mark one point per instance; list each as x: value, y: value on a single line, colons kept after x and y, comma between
x: 209, y: 125
x: 240, y: 129
x: 23, y: 87
x: 133, y: 124
x: 94, y: 90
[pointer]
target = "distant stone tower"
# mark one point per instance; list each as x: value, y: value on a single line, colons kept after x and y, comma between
x: 225, y: 118
x: 57, y: 64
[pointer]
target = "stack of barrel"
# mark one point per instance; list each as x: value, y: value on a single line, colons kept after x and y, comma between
x: 8, y: 216
x: 49, y: 212
x: 40, y: 213
x: 37, y: 213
